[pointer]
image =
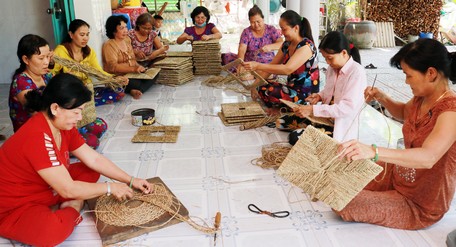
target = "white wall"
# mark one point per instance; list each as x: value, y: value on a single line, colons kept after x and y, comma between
x: 94, y: 12
x: 21, y: 17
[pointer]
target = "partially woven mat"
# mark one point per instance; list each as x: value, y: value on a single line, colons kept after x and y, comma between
x: 227, y: 82
x: 238, y: 76
x: 313, y: 165
x: 89, y: 113
x: 118, y: 221
x: 233, y: 122
x: 167, y: 134
x: 151, y: 73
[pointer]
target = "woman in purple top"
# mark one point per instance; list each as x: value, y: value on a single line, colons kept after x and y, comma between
x: 202, y: 29
x: 258, y: 41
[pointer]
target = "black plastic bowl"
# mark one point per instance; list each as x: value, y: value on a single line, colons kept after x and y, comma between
x: 143, y: 116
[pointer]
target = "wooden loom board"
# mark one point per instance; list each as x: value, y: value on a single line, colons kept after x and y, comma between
x: 113, y: 234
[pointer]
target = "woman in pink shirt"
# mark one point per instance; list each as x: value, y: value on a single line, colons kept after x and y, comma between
x: 343, y: 95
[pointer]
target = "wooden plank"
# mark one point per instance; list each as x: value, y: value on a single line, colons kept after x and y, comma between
x: 113, y: 234
x: 385, y: 35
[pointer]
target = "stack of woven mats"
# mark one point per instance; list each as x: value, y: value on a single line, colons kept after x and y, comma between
x: 241, y: 113
x: 207, y: 58
x: 174, y: 70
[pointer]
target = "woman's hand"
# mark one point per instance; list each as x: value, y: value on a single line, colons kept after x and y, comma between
x: 303, y: 111
x: 206, y: 37
x: 313, y: 98
x: 143, y: 185
x: 140, y: 55
x: 121, y: 191
x: 140, y: 69
x: 265, y: 48
x: 371, y: 94
x: 124, y: 80
x: 189, y: 37
x: 254, y: 94
x: 250, y: 66
x: 354, y: 150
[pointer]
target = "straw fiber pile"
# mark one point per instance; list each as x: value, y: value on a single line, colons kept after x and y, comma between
x: 207, y: 58
x: 312, y: 165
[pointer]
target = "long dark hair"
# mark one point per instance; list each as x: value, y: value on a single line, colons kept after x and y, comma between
x: 73, y: 27
x: 28, y: 46
x: 423, y: 54
x: 292, y: 19
x: 335, y: 42
x: 64, y: 89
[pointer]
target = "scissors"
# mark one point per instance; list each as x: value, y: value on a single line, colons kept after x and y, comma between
x: 280, y: 214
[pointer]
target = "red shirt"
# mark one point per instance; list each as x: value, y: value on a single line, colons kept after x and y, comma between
x: 29, y: 150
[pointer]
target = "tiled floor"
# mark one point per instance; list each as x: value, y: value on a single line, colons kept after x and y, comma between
x: 207, y: 151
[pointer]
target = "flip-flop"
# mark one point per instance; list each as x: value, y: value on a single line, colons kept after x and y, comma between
x: 370, y: 66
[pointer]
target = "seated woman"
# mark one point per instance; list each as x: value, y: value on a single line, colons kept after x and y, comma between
x: 145, y: 42
x: 258, y: 41
x: 75, y: 48
x: 42, y: 193
x: 202, y: 29
x: 119, y: 58
x: 297, y: 58
x: 417, y: 185
x: 342, y: 97
x: 33, y: 74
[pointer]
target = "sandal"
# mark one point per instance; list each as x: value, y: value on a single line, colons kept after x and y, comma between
x: 370, y: 66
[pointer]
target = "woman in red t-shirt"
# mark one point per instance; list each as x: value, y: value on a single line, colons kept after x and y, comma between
x: 42, y: 193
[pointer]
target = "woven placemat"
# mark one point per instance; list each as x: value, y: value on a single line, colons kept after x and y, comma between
x: 226, y: 123
x: 242, y: 109
x: 179, y: 54
x: 151, y: 73
x: 313, y: 165
x: 166, y: 134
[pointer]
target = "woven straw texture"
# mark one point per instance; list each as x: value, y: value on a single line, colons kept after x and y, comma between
x: 166, y: 134
x: 89, y: 114
x: 242, y: 109
x: 207, y: 57
x: 313, y: 165
x: 149, y: 74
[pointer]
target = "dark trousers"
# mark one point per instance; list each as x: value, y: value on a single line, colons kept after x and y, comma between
x: 140, y: 84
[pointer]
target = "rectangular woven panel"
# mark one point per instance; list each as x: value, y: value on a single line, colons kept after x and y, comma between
x: 242, y: 109
x: 156, y: 134
x: 149, y: 74
x: 234, y: 122
x: 312, y: 165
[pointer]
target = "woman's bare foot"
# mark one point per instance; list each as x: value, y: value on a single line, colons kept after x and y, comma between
x: 76, y: 204
x: 136, y: 93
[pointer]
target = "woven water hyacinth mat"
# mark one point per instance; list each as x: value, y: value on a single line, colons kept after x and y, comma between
x: 148, y: 74
x: 242, y: 112
x: 312, y: 165
x: 118, y: 221
x: 166, y: 134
